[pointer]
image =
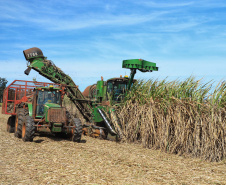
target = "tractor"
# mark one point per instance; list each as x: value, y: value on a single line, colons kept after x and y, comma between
x: 37, y: 106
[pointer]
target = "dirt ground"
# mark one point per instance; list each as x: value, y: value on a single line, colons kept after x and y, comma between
x: 50, y: 160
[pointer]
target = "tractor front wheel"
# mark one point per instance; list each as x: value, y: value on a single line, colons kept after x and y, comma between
x: 76, y: 132
x: 11, y: 124
x: 20, y: 114
x: 28, y: 129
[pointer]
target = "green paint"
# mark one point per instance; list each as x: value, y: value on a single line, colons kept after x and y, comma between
x: 37, y: 63
x: 132, y: 74
x: 57, y: 127
x: 47, y: 106
x: 30, y: 107
x: 48, y: 88
x: 140, y: 64
x: 100, y: 89
x: 96, y: 115
x: 52, y: 105
x: 105, y: 92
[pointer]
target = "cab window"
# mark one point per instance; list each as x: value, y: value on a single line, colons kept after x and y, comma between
x: 116, y: 90
x: 47, y: 96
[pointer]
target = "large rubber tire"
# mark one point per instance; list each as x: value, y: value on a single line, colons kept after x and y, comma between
x: 28, y: 129
x: 76, y: 132
x: 11, y: 124
x: 20, y: 115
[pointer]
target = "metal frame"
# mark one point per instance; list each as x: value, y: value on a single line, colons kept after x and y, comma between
x: 21, y: 89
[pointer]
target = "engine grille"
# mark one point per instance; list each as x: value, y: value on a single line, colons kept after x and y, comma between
x: 57, y: 115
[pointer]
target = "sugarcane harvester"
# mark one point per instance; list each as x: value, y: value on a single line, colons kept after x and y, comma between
x: 94, y: 103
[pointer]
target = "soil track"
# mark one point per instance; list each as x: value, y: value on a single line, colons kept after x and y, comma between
x: 50, y: 160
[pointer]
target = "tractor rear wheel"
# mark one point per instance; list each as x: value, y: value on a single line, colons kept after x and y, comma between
x: 11, y: 124
x: 76, y: 132
x: 28, y: 129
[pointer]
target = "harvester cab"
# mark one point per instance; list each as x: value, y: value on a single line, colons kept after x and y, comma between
x: 115, y: 89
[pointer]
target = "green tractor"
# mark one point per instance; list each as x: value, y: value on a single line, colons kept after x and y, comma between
x: 39, y: 109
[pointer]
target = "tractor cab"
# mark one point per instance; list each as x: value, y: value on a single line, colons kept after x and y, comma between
x: 46, y: 98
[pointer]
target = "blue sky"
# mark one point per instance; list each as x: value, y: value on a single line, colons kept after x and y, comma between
x: 88, y: 39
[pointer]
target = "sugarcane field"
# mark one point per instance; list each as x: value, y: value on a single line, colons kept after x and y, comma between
x: 51, y: 160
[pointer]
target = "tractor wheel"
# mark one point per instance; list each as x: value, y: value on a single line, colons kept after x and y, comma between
x: 11, y: 124
x: 76, y: 132
x: 20, y: 115
x: 28, y: 129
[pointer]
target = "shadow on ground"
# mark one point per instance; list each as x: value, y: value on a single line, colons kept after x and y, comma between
x: 53, y: 137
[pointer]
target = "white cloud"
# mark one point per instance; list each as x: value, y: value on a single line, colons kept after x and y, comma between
x: 154, y: 4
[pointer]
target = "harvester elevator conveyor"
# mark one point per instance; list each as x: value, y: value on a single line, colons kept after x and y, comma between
x: 46, y: 68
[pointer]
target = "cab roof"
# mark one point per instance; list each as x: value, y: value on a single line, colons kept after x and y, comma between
x: 123, y: 79
x: 48, y: 88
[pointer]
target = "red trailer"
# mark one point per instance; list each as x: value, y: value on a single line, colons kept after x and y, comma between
x: 19, y: 91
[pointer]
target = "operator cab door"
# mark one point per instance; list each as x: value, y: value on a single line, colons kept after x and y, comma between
x: 38, y: 105
x: 41, y: 96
